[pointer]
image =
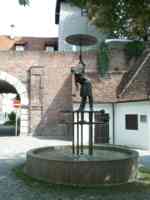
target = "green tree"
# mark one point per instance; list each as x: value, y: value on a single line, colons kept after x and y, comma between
x: 120, y: 18
x: 79, y: 3
x: 23, y: 2
x: 103, y: 59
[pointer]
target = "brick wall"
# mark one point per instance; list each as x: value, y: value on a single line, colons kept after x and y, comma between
x: 51, y: 94
x: 139, y: 89
x: 49, y: 84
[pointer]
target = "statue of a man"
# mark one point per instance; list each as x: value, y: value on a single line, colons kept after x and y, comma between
x: 85, y: 89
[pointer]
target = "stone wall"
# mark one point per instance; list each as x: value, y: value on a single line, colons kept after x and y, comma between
x: 48, y: 81
x: 117, y: 60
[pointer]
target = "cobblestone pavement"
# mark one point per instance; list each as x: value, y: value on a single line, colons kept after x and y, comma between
x: 12, y: 153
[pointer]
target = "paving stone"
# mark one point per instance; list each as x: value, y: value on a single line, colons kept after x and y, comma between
x: 13, y: 152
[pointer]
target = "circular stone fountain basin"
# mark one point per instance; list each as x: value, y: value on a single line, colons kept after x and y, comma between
x: 108, y: 165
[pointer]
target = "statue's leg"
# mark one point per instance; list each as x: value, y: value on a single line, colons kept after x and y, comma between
x: 91, y: 102
x: 82, y: 104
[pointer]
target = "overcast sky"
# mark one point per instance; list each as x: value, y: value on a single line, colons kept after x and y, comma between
x: 35, y: 20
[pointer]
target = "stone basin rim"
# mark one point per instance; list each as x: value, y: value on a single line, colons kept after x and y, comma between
x: 116, y: 148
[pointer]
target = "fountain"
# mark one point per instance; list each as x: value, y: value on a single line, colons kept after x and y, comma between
x: 80, y: 163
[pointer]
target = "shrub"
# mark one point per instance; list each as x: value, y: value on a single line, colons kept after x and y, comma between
x: 134, y: 49
x: 103, y: 59
x: 11, y: 119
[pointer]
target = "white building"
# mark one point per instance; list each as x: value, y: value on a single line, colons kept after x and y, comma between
x: 132, y: 124
x: 129, y: 123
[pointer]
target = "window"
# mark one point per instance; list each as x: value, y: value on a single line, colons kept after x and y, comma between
x: 84, y: 12
x: 19, y: 48
x: 74, y: 48
x: 131, y: 122
x: 143, y: 118
x: 49, y: 48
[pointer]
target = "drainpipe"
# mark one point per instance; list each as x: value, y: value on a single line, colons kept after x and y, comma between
x: 113, y: 119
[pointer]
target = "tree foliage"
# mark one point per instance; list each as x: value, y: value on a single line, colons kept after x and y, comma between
x: 81, y: 3
x: 23, y: 2
x: 121, y: 18
x: 134, y: 49
x: 103, y: 59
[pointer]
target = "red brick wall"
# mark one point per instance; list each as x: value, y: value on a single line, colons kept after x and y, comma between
x: 55, y: 93
x: 55, y: 87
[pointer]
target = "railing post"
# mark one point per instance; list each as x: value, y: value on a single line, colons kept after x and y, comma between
x: 77, y: 133
x: 79, y: 122
x: 73, y: 139
x: 82, y: 122
x: 90, y: 132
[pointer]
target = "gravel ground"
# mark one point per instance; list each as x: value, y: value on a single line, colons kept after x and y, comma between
x: 12, y: 153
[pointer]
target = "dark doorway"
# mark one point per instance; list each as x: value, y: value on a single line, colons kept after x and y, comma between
x: 102, y: 128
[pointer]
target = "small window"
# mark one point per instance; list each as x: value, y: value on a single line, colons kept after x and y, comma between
x: 74, y: 48
x: 84, y: 12
x: 131, y: 122
x: 143, y: 118
x: 49, y: 48
x: 19, y: 48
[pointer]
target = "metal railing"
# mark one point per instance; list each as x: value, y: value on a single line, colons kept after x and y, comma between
x: 78, y: 120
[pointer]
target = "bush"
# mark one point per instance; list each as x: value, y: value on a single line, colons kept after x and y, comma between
x: 134, y: 49
x: 103, y: 59
x: 11, y: 119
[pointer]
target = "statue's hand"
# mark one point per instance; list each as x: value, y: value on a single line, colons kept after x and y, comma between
x: 72, y: 70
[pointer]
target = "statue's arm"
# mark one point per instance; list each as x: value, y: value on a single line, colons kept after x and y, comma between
x: 76, y: 83
x: 75, y: 86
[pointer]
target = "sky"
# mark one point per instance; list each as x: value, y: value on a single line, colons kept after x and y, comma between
x: 37, y: 20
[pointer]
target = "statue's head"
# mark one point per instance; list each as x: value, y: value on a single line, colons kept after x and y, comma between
x: 76, y: 70
x: 79, y: 78
x: 79, y: 75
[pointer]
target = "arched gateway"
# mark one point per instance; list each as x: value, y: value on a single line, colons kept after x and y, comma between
x: 22, y: 91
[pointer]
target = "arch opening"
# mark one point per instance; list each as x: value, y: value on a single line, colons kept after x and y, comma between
x: 13, y: 119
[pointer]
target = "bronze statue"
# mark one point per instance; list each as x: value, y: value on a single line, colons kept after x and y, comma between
x: 85, y: 89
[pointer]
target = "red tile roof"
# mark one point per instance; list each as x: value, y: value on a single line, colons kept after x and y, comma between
x: 31, y: 43
x: 129, y: 76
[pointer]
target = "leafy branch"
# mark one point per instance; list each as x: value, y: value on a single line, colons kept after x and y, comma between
x: 103, y: 59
